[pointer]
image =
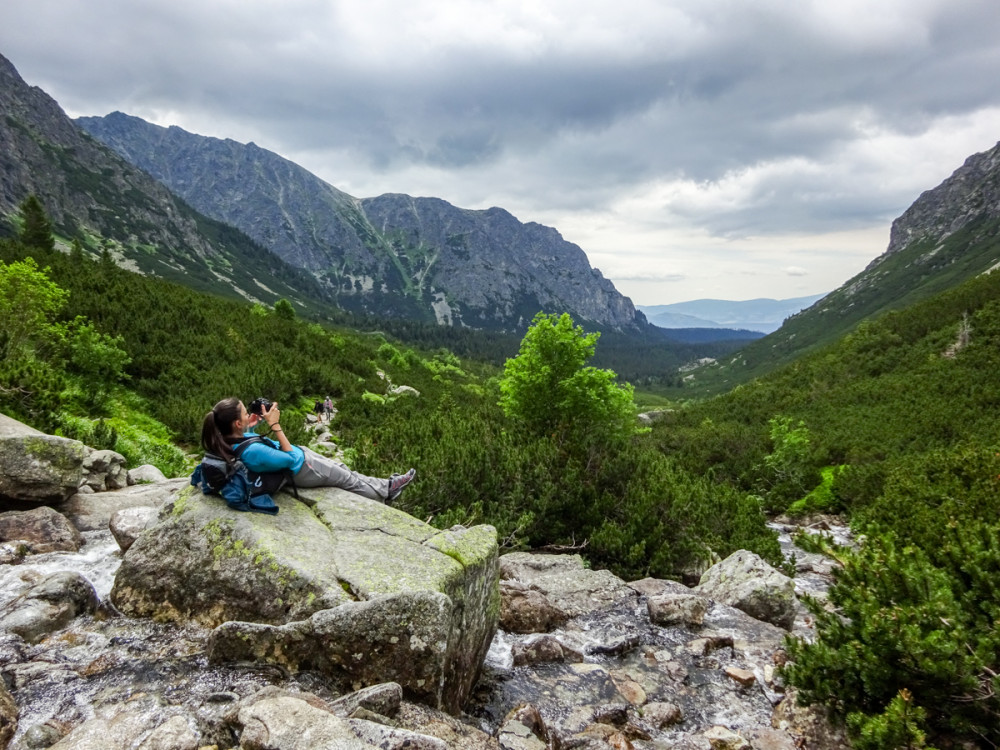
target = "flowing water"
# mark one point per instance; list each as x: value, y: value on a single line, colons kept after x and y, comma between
x: 106, y: 660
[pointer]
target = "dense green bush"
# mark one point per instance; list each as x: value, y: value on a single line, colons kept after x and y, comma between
x: 905, y: 618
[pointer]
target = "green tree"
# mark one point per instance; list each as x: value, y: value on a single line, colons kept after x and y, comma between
x: 29, y: 301
x: 548, y: 389
x: 36, y: 230
x: 283, y: 309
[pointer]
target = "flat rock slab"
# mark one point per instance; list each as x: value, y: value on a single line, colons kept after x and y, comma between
x: 360, y: 590
x: 567, y: 584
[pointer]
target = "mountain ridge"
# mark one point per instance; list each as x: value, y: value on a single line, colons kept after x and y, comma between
x: 392, y: 254
x: 762, y: 314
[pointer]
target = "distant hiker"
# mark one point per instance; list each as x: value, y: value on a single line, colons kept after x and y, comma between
x: 229, y: 423
x: 318, y: 408
x: 328, y: 408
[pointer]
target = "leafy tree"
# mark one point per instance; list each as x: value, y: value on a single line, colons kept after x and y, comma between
x: 29, y: 301
x: 283, y: 309
x: 36, y: 230
x: 98, y: 358
x: 548, y: 389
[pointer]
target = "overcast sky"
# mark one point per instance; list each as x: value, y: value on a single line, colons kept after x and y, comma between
x: 693, y: 148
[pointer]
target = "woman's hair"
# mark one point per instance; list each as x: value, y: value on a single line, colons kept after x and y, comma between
x: 216, y: 426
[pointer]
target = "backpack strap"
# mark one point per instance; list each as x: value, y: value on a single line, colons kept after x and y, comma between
x: 247, y: 441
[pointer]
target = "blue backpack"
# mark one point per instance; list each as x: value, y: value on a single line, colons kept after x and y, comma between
x: 241, y: 488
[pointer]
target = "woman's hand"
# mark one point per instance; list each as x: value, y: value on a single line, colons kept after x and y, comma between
x: 272, y: 416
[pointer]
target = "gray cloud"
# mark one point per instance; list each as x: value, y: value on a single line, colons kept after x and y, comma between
x: 716, y: 117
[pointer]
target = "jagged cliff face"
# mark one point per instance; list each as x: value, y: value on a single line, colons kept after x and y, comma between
x: 972, y: 193
x: 391, y: 255
x: 94, y: 195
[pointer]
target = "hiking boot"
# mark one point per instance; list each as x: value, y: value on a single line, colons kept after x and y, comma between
x: 397, y: 482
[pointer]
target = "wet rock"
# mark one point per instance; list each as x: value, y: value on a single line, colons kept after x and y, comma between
x: 523, y: 729
x: 678, y: 609
x: 351, y: 574
x: 527, y: 610
x: 145, y: 474
x: 451, y: 730
x: 92, y: 511
x: 8, y: 716
x: 722, y: 738
x: 119, y: 730
x: 38, y: 468
x: 288, y: 723
x: 41, y: 529
x: 628, y: 688
x: 48, y: 606
x: 175, y: 733
x: 104, y: 470
x: 128, y: 523
x: 383, y: 699
x: 661, y: 714
x: 39, y: 736
x: 743, y: 580
x: 541, y: 649
x: 565, y: 582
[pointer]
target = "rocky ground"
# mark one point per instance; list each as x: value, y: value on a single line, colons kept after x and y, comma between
x: 582, y: 659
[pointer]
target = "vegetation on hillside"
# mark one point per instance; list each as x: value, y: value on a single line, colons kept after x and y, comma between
x: 895, y: 426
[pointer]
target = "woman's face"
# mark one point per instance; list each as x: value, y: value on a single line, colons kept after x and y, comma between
x: 242, y: 424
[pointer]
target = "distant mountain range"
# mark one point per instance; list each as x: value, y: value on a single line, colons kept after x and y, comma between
x: 418, y: 258
x: 764, y: 315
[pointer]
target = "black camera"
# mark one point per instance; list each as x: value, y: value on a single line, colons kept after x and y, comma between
x: 260, y: 405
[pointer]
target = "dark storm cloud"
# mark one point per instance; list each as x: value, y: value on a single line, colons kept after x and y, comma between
x: 727, y: 117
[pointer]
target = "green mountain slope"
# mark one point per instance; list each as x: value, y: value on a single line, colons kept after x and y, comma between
x: 950, y: 234
x: 94, y: 196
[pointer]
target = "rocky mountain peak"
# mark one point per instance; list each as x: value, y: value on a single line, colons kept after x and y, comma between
x: 972, y: 192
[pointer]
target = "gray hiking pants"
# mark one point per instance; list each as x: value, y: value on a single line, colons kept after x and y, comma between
x: 320, y: 471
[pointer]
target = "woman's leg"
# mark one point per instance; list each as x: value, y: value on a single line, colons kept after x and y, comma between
x: 320, y: 471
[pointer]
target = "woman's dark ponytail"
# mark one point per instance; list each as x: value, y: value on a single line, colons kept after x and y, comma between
x: 216, y: 426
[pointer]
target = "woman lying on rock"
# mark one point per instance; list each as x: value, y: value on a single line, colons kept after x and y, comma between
x: 229, y: 424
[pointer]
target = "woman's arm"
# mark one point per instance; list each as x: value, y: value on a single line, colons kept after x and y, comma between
x: 272, y: 417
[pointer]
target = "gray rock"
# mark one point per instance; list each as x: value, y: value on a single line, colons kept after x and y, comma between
x: 403, y: 390
x: 526, y: 610
x: 48, y: 606
x: 128, y: 523
x: 566, y: 583
x: 93, y: 511
x: 36, y: 467
x: 743, y: 580
x: 677, y: 609
x: 173, y: 734
x: 523, y: 729
x: 661, y: 714
x: 42, y: 529
x: 288, y: 723
x: 145, y: 474
x: 105, y: 470
x: 351, y: 573
x: 814, y: 725
x: 383, y: 699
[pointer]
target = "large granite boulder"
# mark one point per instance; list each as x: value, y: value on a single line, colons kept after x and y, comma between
x: 40, y: 529
x: 743, y: 580
x: 35, y: 467
x: 48, y: 606
x: 340, y: 583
